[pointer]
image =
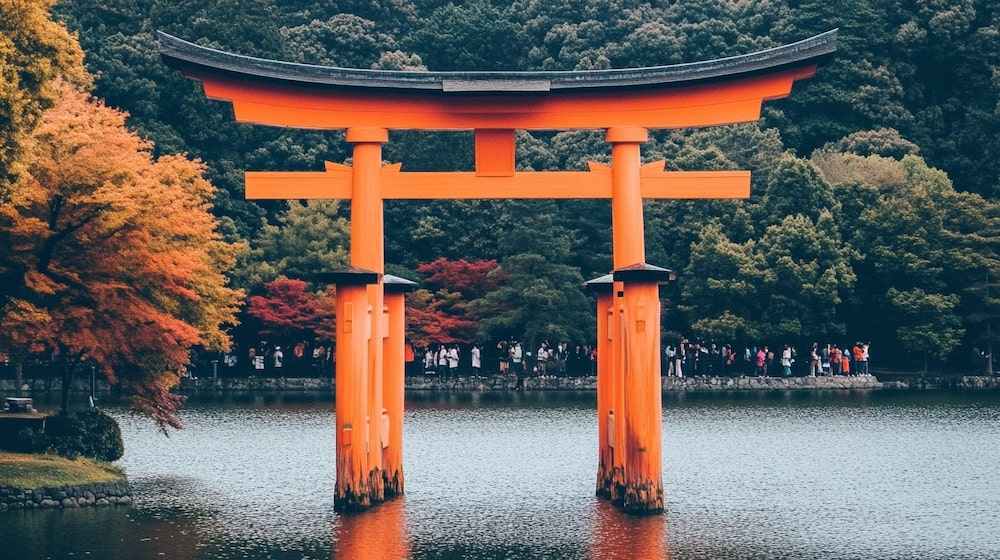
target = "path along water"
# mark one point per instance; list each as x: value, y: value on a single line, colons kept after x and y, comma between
x: 798, y: 475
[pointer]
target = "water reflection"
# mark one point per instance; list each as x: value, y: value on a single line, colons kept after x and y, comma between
x: 757, y: 475
x: 618, y: 535
x: 373, y: 535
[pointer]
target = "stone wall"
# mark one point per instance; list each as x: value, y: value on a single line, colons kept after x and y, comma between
x: 507, y: 382
x: 83, y: 495
x: 669, y: 384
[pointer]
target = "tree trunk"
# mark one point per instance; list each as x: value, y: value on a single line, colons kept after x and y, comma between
x: 18, y: 375
x: 67, y: 382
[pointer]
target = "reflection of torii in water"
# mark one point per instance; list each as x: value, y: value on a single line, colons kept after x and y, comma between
x: 624, y: 102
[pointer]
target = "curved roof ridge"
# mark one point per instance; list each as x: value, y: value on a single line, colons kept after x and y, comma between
x: 177, y: 51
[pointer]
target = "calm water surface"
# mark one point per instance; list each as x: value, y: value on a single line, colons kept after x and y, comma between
x: 755, y: 476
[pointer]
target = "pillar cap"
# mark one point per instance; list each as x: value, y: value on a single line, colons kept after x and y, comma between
x: 643, y: 272
x: 601, y: 284
x: 349, y: 276
x: 397, y: 285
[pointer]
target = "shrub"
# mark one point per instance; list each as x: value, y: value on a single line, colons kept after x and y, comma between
x: 87, y: 433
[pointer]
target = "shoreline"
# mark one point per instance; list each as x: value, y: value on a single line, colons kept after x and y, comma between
x: 44, y: 481
x: 668, y: 384
x: 508, y: 382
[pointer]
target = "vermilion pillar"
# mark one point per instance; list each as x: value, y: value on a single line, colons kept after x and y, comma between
x: 607, y: 388
x: 354, y: 489
x: 393, y: 383
x: 640, y: 414
x: 627, y: 230
x: 367, y: 252
x: 631, y: 381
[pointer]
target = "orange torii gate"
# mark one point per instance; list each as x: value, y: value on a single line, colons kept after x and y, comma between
x: 623, y: 102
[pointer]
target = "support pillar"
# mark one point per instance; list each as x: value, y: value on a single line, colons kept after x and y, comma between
x: 607, y: 389
x: 368, y: 252
x: 354, y: 489
x: 629, y: 393
x: 637, y: 302
x: 394, y: 383
x: 360, y: 359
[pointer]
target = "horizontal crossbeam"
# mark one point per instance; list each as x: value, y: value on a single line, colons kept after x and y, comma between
x: 335, y: 183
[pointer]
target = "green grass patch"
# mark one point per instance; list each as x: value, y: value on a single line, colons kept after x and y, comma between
x: 28, y: 472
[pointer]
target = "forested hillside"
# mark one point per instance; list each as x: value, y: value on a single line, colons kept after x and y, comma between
x: 873, y: 213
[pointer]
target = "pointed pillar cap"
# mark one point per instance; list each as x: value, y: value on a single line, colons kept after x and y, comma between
x: 599, y: 285
x: 643, y: 272
x: 396, y: 285
x: 349, y: 276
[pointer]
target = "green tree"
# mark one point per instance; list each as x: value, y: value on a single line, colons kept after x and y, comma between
x: 310, y: 237
x: 541, y: 296
x: 471, y: 36
x: 345, y: 40
x: 929, y: 326
x: 808, y: 274
x: 796, y: 188
x: 720, y: 287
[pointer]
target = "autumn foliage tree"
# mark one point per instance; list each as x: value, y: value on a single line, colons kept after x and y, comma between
x: 111, y: 258
x: 442, y: 314
x: 288, y: 311
x: 34, y: 51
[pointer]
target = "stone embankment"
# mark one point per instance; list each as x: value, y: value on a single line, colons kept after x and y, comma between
x: 508, y: 382
x: 589, y: 383
x: 669, y: 384
x: 83, y: 495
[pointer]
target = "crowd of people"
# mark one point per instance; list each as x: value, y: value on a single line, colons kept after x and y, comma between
x: 509, y: 356
x: 698, y: 359
x: 680, y: 358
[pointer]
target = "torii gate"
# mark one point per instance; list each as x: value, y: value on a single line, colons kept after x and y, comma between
x: 624, y: 102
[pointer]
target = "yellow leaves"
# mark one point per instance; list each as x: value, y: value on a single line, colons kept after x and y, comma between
x: 34, y: 51
x: 16, y: 316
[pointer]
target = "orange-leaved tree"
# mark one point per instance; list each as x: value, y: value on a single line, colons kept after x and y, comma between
x: 112, y: 258
x: 34, y: 51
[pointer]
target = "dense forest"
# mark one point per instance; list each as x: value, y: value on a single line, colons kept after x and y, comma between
x: 874, y: 206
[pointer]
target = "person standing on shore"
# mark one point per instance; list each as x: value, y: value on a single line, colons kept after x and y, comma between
x: 834, y: 360
x: 786, y: 360
x: 477, y: 360
x: 814, y: 365
x: 517, y: 363
x: 453, y: 361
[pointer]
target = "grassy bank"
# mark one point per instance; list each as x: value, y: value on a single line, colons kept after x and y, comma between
x: 27, y: 472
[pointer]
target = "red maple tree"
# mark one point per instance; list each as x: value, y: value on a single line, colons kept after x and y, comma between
x: 443, y: 314
x: 288, y: 311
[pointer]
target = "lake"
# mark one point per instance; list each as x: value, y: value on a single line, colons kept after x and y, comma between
x: 754, y: 475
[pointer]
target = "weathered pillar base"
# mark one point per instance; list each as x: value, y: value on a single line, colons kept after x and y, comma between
x: 392, y: 483
x: 629, y: 410
x: 642, y: 498
x: 369, y: 493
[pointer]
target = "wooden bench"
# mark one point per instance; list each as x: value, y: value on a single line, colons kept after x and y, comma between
x: 19, y: 404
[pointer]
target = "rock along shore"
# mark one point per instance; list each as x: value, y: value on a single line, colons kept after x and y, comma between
x: 79, y: 495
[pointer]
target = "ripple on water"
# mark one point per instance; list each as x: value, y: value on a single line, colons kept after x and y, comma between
x: 509, y: 476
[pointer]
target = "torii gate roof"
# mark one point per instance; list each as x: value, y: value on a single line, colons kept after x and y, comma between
x: 721, y: 91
